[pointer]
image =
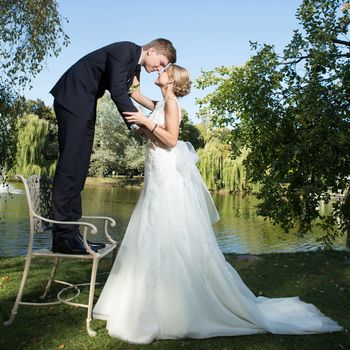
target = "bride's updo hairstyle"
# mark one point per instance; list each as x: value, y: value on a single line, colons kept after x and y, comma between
x: 182, y: 80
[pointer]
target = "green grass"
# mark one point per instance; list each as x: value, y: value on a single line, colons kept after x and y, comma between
x: 321, y: 278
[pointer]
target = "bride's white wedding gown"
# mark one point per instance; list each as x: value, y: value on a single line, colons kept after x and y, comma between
x: 170, y: 279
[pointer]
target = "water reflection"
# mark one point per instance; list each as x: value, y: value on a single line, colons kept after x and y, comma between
x: 238, y: 231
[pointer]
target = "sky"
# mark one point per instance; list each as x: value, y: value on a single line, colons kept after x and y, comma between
x: 206, y: 34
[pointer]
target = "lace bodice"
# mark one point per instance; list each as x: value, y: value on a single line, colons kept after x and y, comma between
x: 159, y: 159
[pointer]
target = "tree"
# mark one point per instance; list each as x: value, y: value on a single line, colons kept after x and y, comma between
x: 9, y: 109
x: 31, y: 144
x: 30, y: 31
x: 134, y: 157
x: 116, y: 149
x: 189, y: 132
x: 292, y: 112
x: 39, y: 108
x: 221, y: 171
x: 43, y: 112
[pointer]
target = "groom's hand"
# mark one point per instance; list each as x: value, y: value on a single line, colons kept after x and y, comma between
x: 135, y: 118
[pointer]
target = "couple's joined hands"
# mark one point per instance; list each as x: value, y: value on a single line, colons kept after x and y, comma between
x: 136, y: 118
x: 140, y: 119
x: 145, y: 125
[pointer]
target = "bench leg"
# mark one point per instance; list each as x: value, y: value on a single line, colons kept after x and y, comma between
x: 91, y: 297
x: 20, y: 291
x: 52, y: 276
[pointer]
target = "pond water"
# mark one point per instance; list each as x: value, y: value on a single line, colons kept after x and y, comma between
x: 240, y: 230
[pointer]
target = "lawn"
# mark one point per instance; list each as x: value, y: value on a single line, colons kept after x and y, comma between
x: 321, y: 278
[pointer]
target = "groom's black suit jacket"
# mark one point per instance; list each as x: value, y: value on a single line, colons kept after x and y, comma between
x: 110, y: 68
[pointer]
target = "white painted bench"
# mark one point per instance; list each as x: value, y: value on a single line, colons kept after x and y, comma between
x: 34, y: 193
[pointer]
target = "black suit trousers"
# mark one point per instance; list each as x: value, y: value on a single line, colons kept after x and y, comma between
x: 75, y: 139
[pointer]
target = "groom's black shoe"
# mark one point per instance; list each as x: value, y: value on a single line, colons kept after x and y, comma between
x: 69, y: 245
x: 93, y: 245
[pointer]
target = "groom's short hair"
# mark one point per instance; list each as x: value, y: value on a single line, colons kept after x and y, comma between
x: 163, y: 47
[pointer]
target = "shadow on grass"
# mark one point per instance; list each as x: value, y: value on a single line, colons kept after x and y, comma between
x: 322, y: 278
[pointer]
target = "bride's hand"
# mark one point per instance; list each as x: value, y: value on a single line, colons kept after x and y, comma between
x: 135, y: 117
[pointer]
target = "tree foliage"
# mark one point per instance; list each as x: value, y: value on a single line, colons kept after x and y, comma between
x: 31, y: 147
x: 221, y: 171
x: 116, y: 149
x: 292, y: 112
x: 189, y: 132
x: 30, y: 31
x: 10, y: 107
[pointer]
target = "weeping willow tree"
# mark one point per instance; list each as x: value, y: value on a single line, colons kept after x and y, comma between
x: 222, y: 172
x: 33, y: 133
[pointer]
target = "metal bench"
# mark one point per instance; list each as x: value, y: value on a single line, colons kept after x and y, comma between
x: 36, y: 193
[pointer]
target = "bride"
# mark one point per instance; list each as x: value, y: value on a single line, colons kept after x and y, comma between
x: 170, y: 279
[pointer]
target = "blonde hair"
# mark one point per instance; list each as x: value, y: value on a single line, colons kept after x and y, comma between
x: 182, y: 80
x: 163, y: 47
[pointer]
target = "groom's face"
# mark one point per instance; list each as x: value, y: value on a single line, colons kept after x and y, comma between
x: 153, y: 61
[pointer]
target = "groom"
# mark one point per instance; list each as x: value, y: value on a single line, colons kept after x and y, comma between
x: 75, y: 94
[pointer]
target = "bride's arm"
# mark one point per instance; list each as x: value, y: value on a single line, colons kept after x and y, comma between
x: 168, y: 135
x: 138, y: 97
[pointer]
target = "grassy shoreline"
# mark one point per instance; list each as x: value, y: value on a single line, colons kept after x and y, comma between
x: 123, y: 181
x: 117, y: 181
x: 321, y: 278
x: 126, y: 182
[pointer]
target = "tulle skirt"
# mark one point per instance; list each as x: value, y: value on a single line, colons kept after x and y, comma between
x: 170, y: 279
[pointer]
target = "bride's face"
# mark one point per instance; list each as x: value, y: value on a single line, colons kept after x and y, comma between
x: 163, y: 79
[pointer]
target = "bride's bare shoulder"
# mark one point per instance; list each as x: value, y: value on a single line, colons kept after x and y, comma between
x: 171, y: 102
